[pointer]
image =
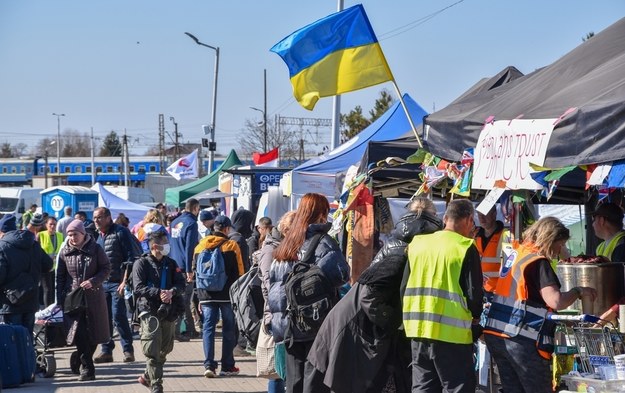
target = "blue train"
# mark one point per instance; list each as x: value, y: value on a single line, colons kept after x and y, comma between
x: 77, y: 170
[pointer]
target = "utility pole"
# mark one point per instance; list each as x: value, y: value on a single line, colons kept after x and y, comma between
x: 161, y: 143
x: 92, y: 159
x: 176, y: 146
x: 265, y: 111
x: 58, y: 145
x: 126, y: 159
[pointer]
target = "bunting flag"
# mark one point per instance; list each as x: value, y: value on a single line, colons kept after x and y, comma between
x: 334, y: 55
x: 270, y: 159
x: 185, y: 167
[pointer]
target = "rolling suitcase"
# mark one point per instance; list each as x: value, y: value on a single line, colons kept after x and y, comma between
x: 9, y: 366
x: 25, y: 353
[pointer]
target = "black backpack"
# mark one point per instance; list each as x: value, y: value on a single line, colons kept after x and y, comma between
x: 309, y: 296
x: 247, y: 301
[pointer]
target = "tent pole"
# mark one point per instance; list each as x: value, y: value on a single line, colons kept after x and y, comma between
x: 403, y: 104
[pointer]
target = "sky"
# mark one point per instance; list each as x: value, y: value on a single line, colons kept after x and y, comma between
x: 118, y: 64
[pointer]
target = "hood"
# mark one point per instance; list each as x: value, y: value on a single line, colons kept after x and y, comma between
x: 317, y: 228
x: 411, y: 224
x: 242, y: 222
x: 273, y: 237
x: 211, y: 241
x: 19, y: 239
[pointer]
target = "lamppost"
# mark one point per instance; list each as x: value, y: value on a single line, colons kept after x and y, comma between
x: 212, y: 146
x: 58, y: 144
x: 264, y: 127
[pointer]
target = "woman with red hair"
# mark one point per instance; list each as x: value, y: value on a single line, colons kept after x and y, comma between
x: 311, y: 218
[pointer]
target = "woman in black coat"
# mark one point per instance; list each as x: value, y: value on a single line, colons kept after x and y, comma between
x: 360, y: 347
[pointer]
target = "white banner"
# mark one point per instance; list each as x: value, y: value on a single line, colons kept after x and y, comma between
x: 185, y: 167
x: 506, y: 148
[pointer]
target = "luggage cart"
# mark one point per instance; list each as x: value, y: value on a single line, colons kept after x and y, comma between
x: 50, y: 334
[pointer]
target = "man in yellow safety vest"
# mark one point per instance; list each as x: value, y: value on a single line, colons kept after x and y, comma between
x: 442, y: 303
x: 607, y: 222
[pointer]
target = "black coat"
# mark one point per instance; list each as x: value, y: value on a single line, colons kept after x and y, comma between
x: 359, y: 345
x: 18, y: 249
x: 146, y: 279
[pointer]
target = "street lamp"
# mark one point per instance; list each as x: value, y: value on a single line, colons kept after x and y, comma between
x: 58, y: 144
x: 264, y: 127
x: 212, y: 147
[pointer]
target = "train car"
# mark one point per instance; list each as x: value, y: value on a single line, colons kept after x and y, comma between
x: 77, y: 170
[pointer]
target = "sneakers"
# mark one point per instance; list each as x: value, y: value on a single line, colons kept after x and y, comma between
x: 129, y: 357
x: 210, y: 373
x: 157, y: 389
x: 226, y: 372
x: 86, y: 377
x: 103, y: 358
x: 144, y: 380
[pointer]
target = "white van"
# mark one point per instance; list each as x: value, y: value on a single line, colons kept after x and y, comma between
x: 17, y: 200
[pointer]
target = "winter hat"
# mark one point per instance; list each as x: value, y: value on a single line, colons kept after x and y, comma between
x: 223, y: 221
x: 7, y: 223
x: 206, y: 215
x: 37, y: 220
x: 76, y: 226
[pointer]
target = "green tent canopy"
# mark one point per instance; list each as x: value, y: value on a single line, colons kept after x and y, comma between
x: 175, y: 195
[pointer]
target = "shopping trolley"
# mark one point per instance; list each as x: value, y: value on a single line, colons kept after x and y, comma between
x: 595, y: 345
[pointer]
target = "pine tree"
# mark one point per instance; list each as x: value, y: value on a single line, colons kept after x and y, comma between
x: 111, y: 146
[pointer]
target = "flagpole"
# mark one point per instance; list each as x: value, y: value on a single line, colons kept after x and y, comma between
x: 336, y: 107
x: 403, y: 104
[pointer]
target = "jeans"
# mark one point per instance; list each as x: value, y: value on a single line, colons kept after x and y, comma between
x: 117, y: 316
x: 211, y: 316
x: 521, y: 368
x: 275, y: 386
x: 187, y: 317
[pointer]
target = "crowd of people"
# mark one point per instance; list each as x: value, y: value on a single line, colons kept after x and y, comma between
x: 411, y: 322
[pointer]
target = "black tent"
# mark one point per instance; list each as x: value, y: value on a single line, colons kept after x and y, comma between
x: 590, y: 78
x: 403, y: 180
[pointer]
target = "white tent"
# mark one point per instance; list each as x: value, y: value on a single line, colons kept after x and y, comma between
x: 116, y: 205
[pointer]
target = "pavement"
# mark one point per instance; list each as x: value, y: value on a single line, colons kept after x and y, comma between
x: 184, y: 372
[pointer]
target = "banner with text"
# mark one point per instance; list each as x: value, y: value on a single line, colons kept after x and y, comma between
x: 506, y: 148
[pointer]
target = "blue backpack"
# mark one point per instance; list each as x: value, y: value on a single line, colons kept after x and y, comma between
x: 211, y: 270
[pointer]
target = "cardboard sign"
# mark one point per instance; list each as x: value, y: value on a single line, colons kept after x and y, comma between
x: 506, y: 148
x: 491, y: 198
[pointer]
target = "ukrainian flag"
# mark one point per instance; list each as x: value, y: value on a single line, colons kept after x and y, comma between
x: 334, y: 55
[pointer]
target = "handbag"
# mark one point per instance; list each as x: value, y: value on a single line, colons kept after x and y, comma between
x: 265, y: 355
x: 20, y: 290
x: 75, y: 303
x: 280, y: 360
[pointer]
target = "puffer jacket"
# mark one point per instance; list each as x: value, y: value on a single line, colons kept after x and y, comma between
x: 116, y: 245
x: 18, y: 249
x: 330, y: 260
x: 233, y: 265
x: 146, y: 277
x: 409, y: 225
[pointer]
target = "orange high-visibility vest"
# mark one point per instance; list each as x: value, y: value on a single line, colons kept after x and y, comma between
x: 510, y: 315
x: 492, y: 257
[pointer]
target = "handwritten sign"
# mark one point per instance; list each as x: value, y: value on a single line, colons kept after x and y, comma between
x: 491, y: 198
x: 506, y: 148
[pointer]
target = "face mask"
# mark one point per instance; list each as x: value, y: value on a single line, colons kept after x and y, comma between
x: 166, y: 249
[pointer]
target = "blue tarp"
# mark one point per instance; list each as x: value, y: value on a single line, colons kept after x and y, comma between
x: 318, y: 174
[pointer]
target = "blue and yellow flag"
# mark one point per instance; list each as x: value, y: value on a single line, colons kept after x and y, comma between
x: 334, y: 55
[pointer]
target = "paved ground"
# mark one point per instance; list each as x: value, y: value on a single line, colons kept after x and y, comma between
x: 183, y: 373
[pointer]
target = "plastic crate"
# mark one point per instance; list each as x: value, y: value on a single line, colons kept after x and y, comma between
x: 589, y: 385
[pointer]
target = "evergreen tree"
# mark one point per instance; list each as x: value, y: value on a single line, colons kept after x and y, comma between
x: 354, y: 122
x: 111, y: 146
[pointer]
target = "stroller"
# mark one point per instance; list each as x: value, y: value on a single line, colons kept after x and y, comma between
x: 50, y: 333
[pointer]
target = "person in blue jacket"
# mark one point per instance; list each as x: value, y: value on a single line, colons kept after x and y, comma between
x: 184, y: 238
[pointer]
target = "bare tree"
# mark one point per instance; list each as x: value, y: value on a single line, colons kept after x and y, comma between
x: 5, y: 150
x: 75, y: 144
x: 20, y: 149
x: 44, y: 144
x: 252, y: 140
